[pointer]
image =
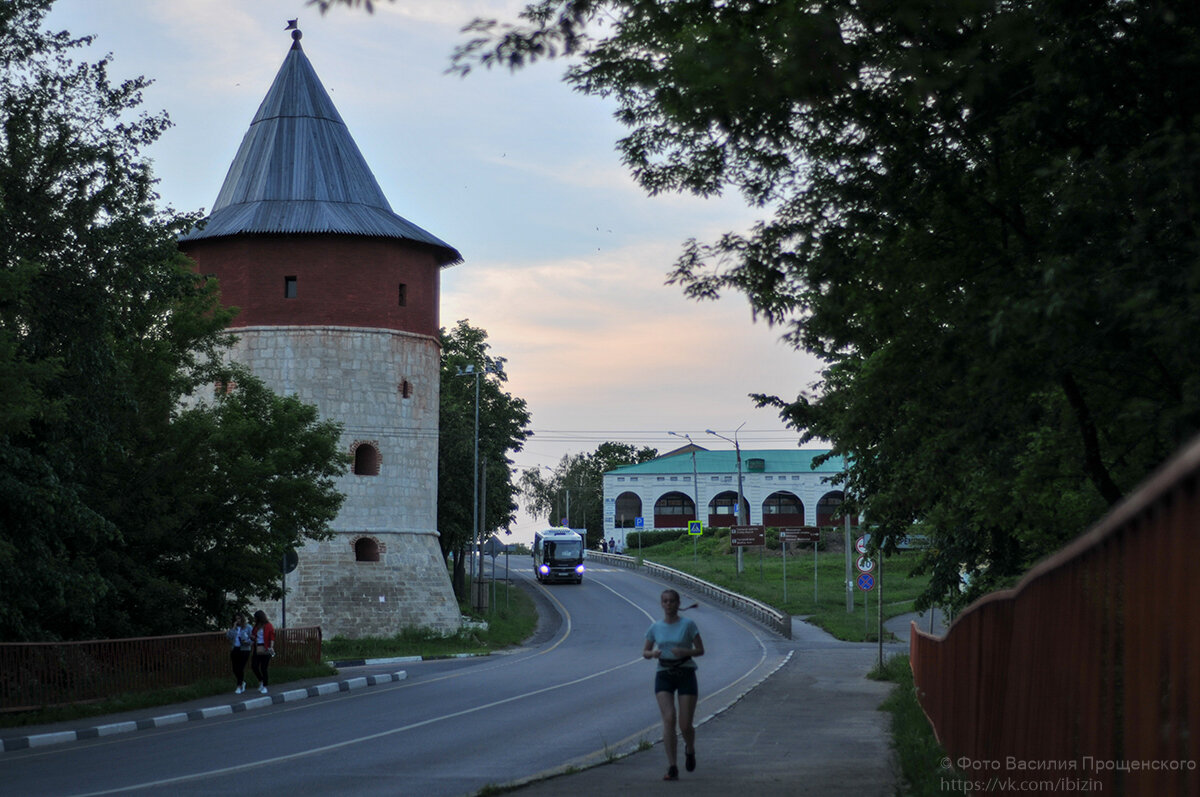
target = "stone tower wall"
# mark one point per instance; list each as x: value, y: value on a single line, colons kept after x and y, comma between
x: 383, y: 386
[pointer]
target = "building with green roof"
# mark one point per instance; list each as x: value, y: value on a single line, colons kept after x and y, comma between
x: 780, y: 488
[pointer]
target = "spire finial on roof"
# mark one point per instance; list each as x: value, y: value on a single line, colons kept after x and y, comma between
x: 294, y: 27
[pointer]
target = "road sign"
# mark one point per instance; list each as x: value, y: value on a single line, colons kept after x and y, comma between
x: 741, y: 536
x: 866, y: 581
x: 493, y: 547
x: 695, y: 527
x: 865, y: 565
x: 860, y: 544
x: 800, y: 534
x: 639, y: 523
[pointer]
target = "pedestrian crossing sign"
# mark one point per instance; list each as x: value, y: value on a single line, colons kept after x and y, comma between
x: 695, y: 528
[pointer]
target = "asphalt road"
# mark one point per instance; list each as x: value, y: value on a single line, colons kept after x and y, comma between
x: 578, y: 694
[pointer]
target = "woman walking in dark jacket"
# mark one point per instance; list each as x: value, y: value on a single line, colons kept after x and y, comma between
x: 239, y: 653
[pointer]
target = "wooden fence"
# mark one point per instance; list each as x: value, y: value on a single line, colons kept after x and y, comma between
x: 1086, y: 676
x: 38, y: 674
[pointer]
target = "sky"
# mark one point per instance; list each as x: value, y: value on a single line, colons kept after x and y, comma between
x: 565, y: 257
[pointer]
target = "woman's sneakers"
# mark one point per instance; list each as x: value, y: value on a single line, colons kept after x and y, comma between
x: 241, y: 688
x: 672, y: 774
x: 689, y: 761
x: 263, y: 689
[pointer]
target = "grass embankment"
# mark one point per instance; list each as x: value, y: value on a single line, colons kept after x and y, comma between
x: 762, y: 578
x: 917, y: 750
x: 512, y: 620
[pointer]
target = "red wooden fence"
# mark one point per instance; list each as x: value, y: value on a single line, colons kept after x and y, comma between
x: 36, y: 674
x: 1086, y: 676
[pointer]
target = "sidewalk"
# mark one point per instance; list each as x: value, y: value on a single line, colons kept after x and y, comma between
x: 813, y: 727
x: 28, y: 736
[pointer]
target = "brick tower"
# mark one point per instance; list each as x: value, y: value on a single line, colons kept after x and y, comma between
x: 338, y: 301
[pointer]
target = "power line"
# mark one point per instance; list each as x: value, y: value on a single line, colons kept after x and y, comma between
x: 649, y: 435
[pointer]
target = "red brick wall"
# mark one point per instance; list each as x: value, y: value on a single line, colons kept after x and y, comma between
x: 341, y: 280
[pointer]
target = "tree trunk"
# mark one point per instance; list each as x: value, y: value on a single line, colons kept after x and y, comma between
x: 460, y: 573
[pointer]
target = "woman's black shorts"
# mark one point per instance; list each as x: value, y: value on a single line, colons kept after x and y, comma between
x: 679, y: 679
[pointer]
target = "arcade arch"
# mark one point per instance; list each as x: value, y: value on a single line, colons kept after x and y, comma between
x: 628, y: 508
x: 674, y: 510
x: 783, y: 508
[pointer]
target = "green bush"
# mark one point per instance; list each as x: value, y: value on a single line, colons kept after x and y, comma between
x: 649, y: 539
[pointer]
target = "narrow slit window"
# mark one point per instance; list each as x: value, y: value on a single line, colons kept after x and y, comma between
x: 289, y: 287
x: 403, y: 294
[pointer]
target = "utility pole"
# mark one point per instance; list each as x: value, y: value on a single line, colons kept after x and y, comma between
x: 741, y: 501
x: 695, y: 487
x: 849, y: 582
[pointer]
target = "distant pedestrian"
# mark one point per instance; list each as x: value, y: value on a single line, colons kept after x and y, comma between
x: 612, y: 545
x: 239, y: 652
x: 603, y: 545
x: 262, y: 636
x: 675, y: 642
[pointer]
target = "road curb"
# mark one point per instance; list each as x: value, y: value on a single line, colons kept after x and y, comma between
x: 401, y: 660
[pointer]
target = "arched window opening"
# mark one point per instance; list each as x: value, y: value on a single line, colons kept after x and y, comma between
x: 673, y: 511
x: 783, y: 509
x: 722, y: 509
x: 827, y: 508
x: 629, y: 508
x: 366, y: 550
x: 366, y: 460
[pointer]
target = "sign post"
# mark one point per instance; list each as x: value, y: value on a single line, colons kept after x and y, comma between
x: 287, y: 564
x: 784, y: 539
x: 742, y: 536
x: 866, y: 581
x: 815, y: 536
x: 786, y: 536
x: 798, y: 534
x: 695, y: 531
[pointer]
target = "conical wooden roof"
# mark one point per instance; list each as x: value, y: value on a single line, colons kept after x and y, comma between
x: 298, y: 170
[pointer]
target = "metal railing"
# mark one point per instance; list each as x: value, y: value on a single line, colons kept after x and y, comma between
x: 777, y: 621
x: 1087, y: 671
x: 39, y: 674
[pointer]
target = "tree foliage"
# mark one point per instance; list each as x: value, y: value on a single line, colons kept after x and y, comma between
x: 120, y: 512
x: 981, y: 215
x: 503, y: 428
x: 574, y: 490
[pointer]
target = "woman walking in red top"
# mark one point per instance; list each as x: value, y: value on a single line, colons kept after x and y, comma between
x: 262, y: 638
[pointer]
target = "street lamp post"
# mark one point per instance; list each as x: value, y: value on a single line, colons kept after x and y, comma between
x: 476, y: 531
x: 695, y: 486
x: 742, y: 519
